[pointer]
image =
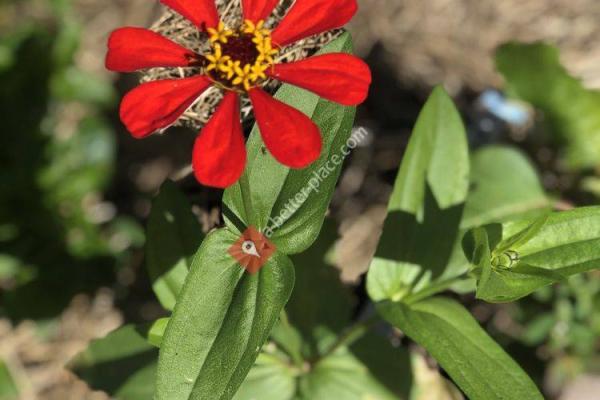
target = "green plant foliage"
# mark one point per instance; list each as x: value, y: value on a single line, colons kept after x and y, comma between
x: 8, y: 387
x: 317, y: 280
x: 389, y: 364
x: 271, y: 378
x: 173, y: 238
x: 157, y: 331
x: 342, y: 376
x: 533, y: 73
x: 122, y: 364
x: 235, y: 335
x: 49, y: 175
x: 514, y: 259
x: 564, y: 320
x: 474, y: 361
x: 294, y: 202
x: 306, y: 360
x: 426, y: 206
x: 370, y: 368
x: 222, y: 309
x: 222, y: 318
x: 504, y: 186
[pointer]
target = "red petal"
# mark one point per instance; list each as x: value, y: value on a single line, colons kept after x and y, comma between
x: 202, y: 13
x: 309, y: 17
x: 338, y: 77
x: 219, y: 154
x: 155, y: 105
x: 255, y: 10
x: 131, y: 49
x: 292, y: 138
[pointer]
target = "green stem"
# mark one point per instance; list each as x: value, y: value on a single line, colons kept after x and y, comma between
x: 351, y: 335
x: 231, y: 216
x: 432, y: 290
x: 246, y: 196
x: 295, y: 355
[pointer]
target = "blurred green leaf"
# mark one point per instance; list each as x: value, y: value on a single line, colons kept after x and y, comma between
x: 426, y: 206
x: 8, y: 387
x: 505, y: 186
x: 173, y: 238
x: 123, y: 364
x: 389, y: 364
x: 538, y: 330
x: 79, y: 169
x: 514, y: 259
x: 9, y: 45
x: 222, y: 318
x: 80, y: 164
x: 371, y: 369
x: 293, y: 204
x: 319, y: 298
x: 55, y: 167
x: 477, y: 364
x: 73, y: 84
x: 533, y: 73
x: 66, y: 43
x: 271, y: 378
x: 288, y: 339
x: 9, y: 267
x: 342, y: 376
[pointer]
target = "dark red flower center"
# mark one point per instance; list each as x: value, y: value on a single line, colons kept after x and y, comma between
x: 240, y: 58
x: 241, y: 48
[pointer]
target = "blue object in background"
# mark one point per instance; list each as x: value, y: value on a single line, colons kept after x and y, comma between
x: 510, y: 111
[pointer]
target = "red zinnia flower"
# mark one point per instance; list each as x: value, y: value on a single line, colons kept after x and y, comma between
x: 240, y: 61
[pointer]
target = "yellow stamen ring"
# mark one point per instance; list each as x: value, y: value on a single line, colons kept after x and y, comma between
x: 233, y: 73
x: 220, y: 34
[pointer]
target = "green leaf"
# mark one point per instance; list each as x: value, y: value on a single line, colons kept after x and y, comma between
x: 567, y: 241
x: 373, y: 369
x: 505, y: 186
x: 342, y: 376
x: 288, y: 339
x: 533, y: 73
x: 8, y: 387
x: 74, y: 84
x: 517, y: 258
x: 498, y: 283
x: 521, y: 237
x: 271, y: 378
x: 82, y: 164
x: 475, y: 361
x: 157, y: 331
x: 538, y: 330
x: 292, y: 206
x: 317, y: 280
x: 173, y: 237
x: 389, y: 364
x: 123, y: 364
x: 222, y: 318
x: 426, y: 206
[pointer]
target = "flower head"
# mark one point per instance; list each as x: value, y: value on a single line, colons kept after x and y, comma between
x: 252, y: 250
x: 241, y: 60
